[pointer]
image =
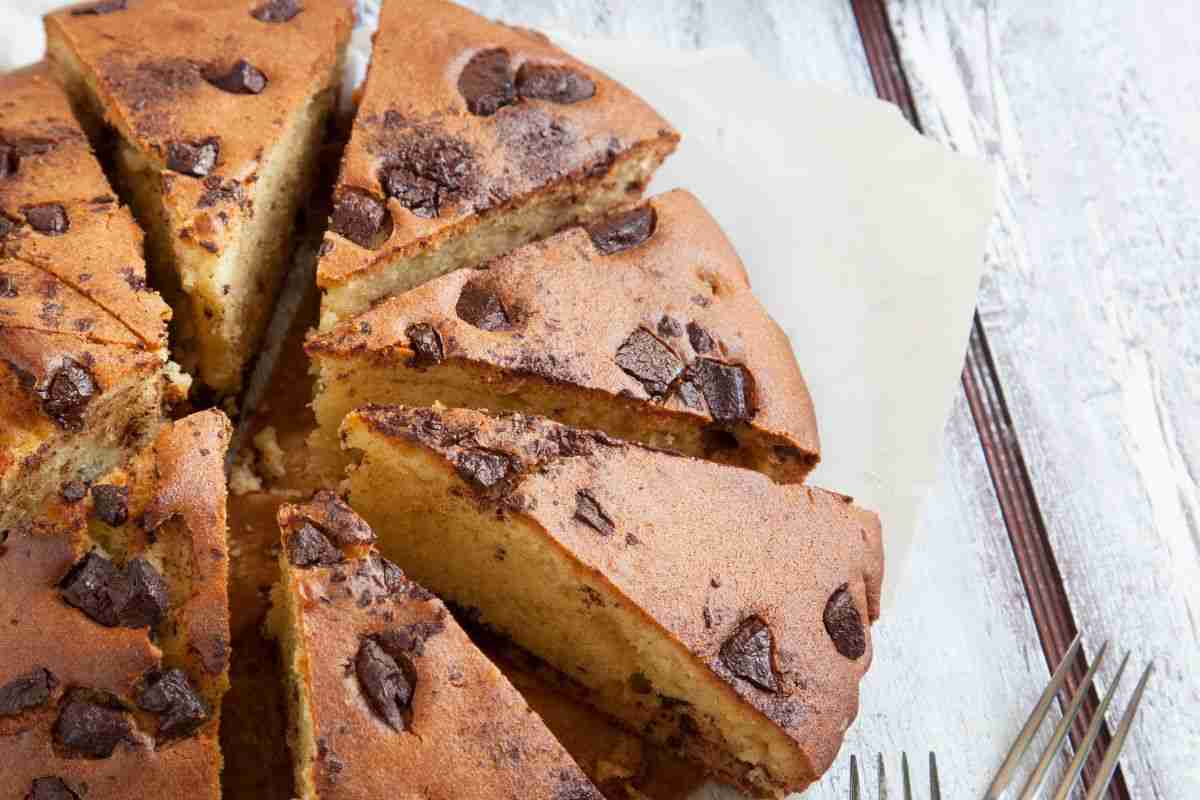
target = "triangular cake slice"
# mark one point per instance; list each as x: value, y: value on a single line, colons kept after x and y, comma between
x: 643, y: 326
x: 471, y: 139
x: 716, y: 612
x: 82, y: 338
x: 389, y: 696
x: 217, y: 111
x: 116, y: 631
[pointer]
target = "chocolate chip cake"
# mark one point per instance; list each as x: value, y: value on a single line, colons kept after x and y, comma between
x: 114, y: 648
x: 642, y: 325
x: 214, y: 112
x: 389, y: 696
x: 473, y: 138
x: 82, y: 338
x: 707, y: 607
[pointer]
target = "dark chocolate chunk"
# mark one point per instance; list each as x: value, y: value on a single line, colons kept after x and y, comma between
x: 575, y: 786
x: 135, y: 598
x: 646, y: 358
x: 194, y: 158
x: 277, y: 10
x: 624, y: 230
x: 361, y: 217
x: 727, y: 389
x: 388, y: 689
x: 67, y: 394
x: 483, y: 469
x: 26, y: 692
x: 73, y: 491
x: 170, y: 695
x: 49, y: 219
x: 554, y: 83
x: 416, y: 193
x: 669, y: 326
x: 50, y: 788
x: 142, y: 601
x: 96, y: 9
x: 486, y: 82
x: 111, y: 503
x: 8, y: 287
x: 87, y: 587
x: 393, y: 576
x: 10, y: 161
x: 701, y: 341
x: 90, y: 730
x: 425, y: 343
x: 479, y: 306
x: 410, y: 640
x: 7, y: 225
x: 749, y: 654
x: 336, y: 520
x: 308, y: 547
x: 844, y: 624
x: 242, y: 78
x: 589, y: 512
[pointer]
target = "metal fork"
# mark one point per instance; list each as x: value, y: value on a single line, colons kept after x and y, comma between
x: 935, y: 788
x: 1107, y: 766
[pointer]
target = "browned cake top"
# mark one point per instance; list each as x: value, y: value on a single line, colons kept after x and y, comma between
x: 459, y: 115
x: 402, y: 703
x: 204, y: 88
x: 87, y: 705
x: 664, y: 315
x: 732, y: 566
x: 59, y: 217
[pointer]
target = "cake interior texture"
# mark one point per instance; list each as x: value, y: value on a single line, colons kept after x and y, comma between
x: 510, y: 574
x: 222, y: 300
x: 480, y: 237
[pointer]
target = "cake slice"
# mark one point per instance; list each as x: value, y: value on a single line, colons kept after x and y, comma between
x: 642, y: 325
x: 214, y: 112
x: 708, y: 608
x: 82, y: 338
x: 473, y: 138
x: 389, y: 696
x: 114, y: 648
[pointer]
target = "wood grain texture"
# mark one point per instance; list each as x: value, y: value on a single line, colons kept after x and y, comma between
x: 1090, y: 309
x: 959, y: 661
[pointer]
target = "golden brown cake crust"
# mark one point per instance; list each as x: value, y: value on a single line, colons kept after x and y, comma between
x: 466, y: 733
x: 412, y: 115
x: 698, y: 561
x: 566, y: 311
x: 46, y: 636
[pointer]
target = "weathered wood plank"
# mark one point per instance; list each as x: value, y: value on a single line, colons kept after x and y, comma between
x: 1090, y: 308
x: 959, y: 660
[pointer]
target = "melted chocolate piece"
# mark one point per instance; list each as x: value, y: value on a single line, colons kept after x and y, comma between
x: 68, y: 393
x: 28, y: 691
x: 194, y: 158
x: 650, y: 361
x: 242, y: 78
x: 277, y: 10
x: 486, y: 82
x: 111, y: 503
x: 10, y: 161
x: 50, y: 789
x: 748, y: 653
x: 589, y: 512
x: 727, y: 389
x: 669, y: 326
x: 308, y: 547
x: 419, y: 195
x: 361, y: 217
x: 90, y: 730
x: 135, y: 598
x: 483, y: 469
x: 624, y: 230
x: 844, y: 624
x: 8, y: 287
x: 554, y: 83
x: 425, y: 343
x: 49, y: 219
x: 389, y: 691
x: 479, y: 306
x: 700, y: 340
x: 170, y: 695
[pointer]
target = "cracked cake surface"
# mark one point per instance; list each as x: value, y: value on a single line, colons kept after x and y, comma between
x: 390, y: 697
x: 726, y: 616
x: 116, y: 636
x: 82, y: 337
x: 642, y: 324
x: 471, y: 138
x: 214, y: 113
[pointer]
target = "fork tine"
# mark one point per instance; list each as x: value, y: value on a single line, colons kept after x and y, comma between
x: 1109, y: 765
x: 935, y: 785
x: 1005, y: 773
x: 904, y: 776
x: 1093, y: 730
x: 1034, y: 782
x: 882, y: 795
x: 855, y: 786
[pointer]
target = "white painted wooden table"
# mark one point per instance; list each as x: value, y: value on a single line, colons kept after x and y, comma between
x: 1091, y: 307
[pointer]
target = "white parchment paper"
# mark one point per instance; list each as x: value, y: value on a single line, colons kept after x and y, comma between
x: 864, y: 240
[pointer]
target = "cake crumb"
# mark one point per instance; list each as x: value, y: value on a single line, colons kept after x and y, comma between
x: 178, y: 384
x: 242, y: 477
x: 271, y: 457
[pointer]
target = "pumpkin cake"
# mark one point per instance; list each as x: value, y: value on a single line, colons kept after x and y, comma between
x: 82, y: 338
x: 116, y: 629
x: 471, y: 139
x: 389, y: 696
x: 215, y: 113
x: 654, y: 337
x: 708, y: 608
